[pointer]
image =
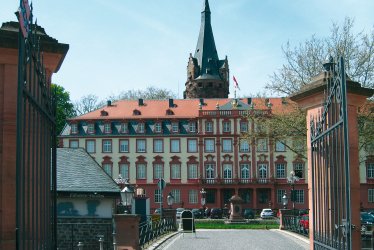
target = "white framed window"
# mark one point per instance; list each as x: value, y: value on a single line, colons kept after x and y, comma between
x: 280, y: 193
x: 140, y: 146
x: 371, y: 195
x: 298, y: 168
x: 244, y: 171
x: 280, y: 146
x: 192, y: 127
x: 226, y: 127
x: 192, y: 145
x: 158, y: 127
x: 226, y: 145
x: 107, y: 146
x: 107, y: 168
x: 370, y: 170
x: 193, y: 196
x: 74, y: 128
x: 73, y: 144
x: 174, y: 127
x: 192, y: 171
x: 174, y: 145
x: 141, y: 128
x: 175, y: 171
x: 157, y: 196
x: 107, y: 128
x: 124, y: 146
x: 91, y: 146
x: 209, y: 127
x: 141, y: 171
x: 244, y: 146
x: 227, y: 171
x: 209, y: 171
x: 262, y: 145
x: 177, y: 195
x: 124, y: 127
x: 299, y: 195
x: 90, y: 128
x: 262, y: 171
x: 124, y: 171
x: 243, y: 127
x: 158, y: 171
x: 280, y: 170
x: 209, y: 145
x: 158, y: 145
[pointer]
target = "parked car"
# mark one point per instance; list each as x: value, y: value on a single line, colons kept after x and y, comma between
x: 207, y: 212
x: 157, y: 211
x: 248, y: 213
x: 179, y: 212
x: 216, y: 213
x: 367, y: 221
x: 304, y: 223
x: 266, y: 213
x: 197, y: 213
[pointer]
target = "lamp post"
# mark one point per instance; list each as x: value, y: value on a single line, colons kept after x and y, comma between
x: 203, y: 200
x: 127, y: 194
x: 285, y: 200
x: 170, y: 200
x: 291, y: 180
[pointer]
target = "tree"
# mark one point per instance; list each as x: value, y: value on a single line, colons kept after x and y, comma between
x: 306, y: 60
x: 87, y: 104
x: 64, y: 107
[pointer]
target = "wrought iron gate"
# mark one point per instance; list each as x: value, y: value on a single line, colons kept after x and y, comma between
x: 330, y: 165
x: 36, y: 146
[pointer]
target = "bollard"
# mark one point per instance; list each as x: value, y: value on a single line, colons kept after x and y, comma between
x: 101, y: 240
x: 114, y: 241
x: 80, y: 245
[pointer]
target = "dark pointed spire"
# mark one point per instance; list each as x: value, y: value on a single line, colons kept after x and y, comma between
x: 206, y: 52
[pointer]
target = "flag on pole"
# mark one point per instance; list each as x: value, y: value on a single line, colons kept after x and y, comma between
x: 236, y: 85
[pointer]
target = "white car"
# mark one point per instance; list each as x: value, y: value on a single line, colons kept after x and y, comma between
x: 179, y: 212
x: 266, y: 213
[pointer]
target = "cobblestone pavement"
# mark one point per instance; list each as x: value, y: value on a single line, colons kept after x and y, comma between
x: 236, y: 240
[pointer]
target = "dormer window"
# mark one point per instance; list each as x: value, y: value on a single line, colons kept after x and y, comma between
x: 136, y: 112
x: 124, y: 128
x: 107, y: 128
x: 174, y: 127
x: 158, y: 127
x: 74, y: 128
x: 192, y: 127
x: 90, y: 128
x: 140, y: 128
x: 169, y: 112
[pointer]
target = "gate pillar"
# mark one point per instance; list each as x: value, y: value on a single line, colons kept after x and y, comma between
x: 312, y: 98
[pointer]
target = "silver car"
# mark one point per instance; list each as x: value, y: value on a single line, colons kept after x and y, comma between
x: 179, y: 212
x: 266, y: 213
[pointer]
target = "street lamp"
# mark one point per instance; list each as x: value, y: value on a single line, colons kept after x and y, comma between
x: 127, y: 194
x: 170, y: 200
x: 285, y: 200
x: 291, y: 180
x: 203, y: 200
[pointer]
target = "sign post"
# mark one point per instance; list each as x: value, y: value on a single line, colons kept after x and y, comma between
x: 161, y: 185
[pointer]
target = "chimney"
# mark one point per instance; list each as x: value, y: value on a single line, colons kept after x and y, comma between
x: 141, y: 102
x: 201, y: 102
x: 249, y: 100
x: 171, y: 103
x: 109, y: 103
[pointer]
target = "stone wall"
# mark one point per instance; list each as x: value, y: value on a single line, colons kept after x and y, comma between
x: 70, y: 231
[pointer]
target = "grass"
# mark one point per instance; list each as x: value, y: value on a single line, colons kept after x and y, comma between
x: 219, y: 224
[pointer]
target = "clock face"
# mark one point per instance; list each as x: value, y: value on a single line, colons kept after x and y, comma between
x: 237, y: 209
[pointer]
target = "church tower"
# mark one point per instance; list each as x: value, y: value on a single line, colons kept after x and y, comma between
x: 207, y: 76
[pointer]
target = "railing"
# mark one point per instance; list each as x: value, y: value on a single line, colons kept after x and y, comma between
x: 234, y: 112
x: 151, y: 230
x: 212, y: 181
x: 292, y: 223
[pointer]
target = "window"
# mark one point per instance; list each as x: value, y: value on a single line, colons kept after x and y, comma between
x: 174, y: 127
x: 192, y: 127
x: 209, y: 171
x: 124, y: 171
x: 107, y: 146
x: 245, y: 195
x: 226, y: 145
x: 175, y: 171
x: 73, y: 144
x: 192, y: 196
x: 209, y: 127
x: 177, y: 195
x: 74, y: 128
x: 158, y: 145
x: 140, y: 171
x: 244, y: 146
x: 140, y: 146
x: 262, y: 145
x: 280, y: 146
x: 140, y: 128
x: 174, y: 146
x: 192, y: 145
x: 91, y: 128
x: 227, y: 171
x: 192, y: 171
x: 299, y: 195
x: 209, y: 145
x: 226, y: 127
x: 107, y: 128
x: 280, y: 193
x: 124, y: 146
x: 298, y: 168
x: 262, y: 171
x: 124, y: 128
x: 157, y: 196
x: 371, y: 195
x: 158, y: 172
x: 243, y: 127
x: 107, y: 168
x: 244, y: 171
x: 90, y: 146
x: 370, y: 170
x: 210, y: 196
x: 158, y: 127
x: 280, y: 170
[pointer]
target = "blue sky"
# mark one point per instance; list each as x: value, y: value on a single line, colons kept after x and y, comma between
x: 118, y: 45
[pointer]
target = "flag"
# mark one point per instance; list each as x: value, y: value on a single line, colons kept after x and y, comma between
x: 236, y: 85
